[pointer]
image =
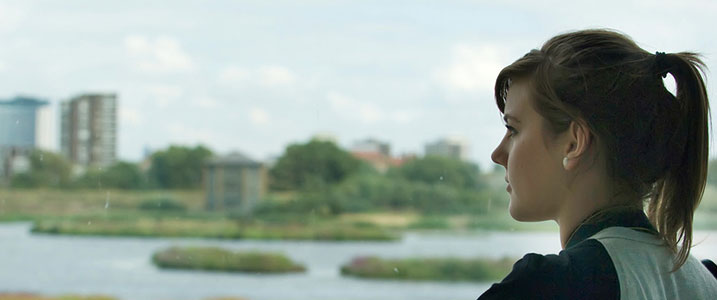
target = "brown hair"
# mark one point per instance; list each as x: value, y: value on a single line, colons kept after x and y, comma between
x: 655, y: 144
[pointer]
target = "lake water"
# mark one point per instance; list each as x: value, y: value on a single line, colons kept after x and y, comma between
x: 122, y: 267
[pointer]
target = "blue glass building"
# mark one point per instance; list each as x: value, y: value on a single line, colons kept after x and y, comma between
x: 19, y: 122
x: 20, y: 132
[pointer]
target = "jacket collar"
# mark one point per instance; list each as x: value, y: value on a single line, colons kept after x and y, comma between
x: 633, y: 218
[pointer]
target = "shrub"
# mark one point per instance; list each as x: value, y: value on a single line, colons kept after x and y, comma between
x: 162, y: 204
x: 217, y: 259
x: 365, y: 193
x: 121, y: 175
x: 429, y: 269
x: 433, y: 169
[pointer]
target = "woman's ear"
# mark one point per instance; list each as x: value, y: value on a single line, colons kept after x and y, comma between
x: 578, y: 142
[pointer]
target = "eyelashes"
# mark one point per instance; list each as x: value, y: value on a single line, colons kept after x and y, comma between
x: 511, y: 130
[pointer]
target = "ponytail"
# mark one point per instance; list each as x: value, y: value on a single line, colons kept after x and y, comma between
x: 678, y: 193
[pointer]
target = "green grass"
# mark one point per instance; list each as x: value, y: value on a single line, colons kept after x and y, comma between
x: 181, y: 213
x: 30, y: 204
x: 219, y: 228
x: 438, y: 269
x: 27, y: 296
x: 431, y: 222
x: 217, y: 259
x: 141, y: 227
x: 164, y: 204
x: 173, y: 213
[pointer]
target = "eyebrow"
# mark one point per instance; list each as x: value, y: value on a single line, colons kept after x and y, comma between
x: 507, y: 116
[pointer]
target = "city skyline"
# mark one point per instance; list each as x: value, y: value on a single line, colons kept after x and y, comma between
x: 257, y: 76
x: 61, y: 128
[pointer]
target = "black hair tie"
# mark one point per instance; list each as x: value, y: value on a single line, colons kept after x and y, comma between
x: 661, y: 64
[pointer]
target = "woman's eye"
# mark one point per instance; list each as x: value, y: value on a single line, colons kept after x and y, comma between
x: 511, y: 130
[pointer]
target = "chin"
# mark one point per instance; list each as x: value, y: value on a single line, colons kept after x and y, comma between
x: 522, y: 214
x: 518, y: 216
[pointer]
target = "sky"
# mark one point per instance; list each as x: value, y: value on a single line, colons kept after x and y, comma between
x: 255, y: 76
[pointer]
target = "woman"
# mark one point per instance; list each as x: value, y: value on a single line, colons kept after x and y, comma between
x: 593, y: 136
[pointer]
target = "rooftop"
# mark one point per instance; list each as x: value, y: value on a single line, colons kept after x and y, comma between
x: 234, y: 158
x: 24, y: 101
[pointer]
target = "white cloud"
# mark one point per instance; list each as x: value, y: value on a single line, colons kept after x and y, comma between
x: 233, y: 75
x: 161, y: 54
x: 205, y: 102
x: 266, y: 76
x: 10, y: 17
x: 368, y: 113
x: 472, y: 68
x: 131, y: 116
x: 163, y: 95
x: 275, y: 76
x: 259, y: 116
x: 137, y: 44
x: 181, y: 134
x: 355, y: 110
x: 405, y: 116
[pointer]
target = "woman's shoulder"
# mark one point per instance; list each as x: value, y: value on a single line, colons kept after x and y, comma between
x: 646, y: 267
x: 583, y: 271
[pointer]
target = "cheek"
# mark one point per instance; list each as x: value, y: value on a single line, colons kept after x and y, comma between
x: 520, y: 164
x: 520, y: 175
x: 532, y: 182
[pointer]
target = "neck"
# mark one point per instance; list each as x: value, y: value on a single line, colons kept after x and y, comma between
x: 568, y: 223
x: 582, y: 199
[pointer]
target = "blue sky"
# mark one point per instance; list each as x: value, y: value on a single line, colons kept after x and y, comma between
x: 255, y: 76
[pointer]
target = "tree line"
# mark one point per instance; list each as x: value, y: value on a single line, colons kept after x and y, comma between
x: 319, y: 177
x: 311, y: 177
x: 177, y: 167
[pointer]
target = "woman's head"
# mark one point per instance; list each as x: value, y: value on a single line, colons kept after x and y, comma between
x: 653, y: 145
x: 532, y: 162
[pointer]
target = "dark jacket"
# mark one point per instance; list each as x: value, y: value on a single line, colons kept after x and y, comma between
x: 583, y: 270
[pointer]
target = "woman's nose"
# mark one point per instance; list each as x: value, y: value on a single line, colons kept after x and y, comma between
x: 499, y: 156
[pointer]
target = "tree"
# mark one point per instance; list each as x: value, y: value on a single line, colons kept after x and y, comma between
x: 440, y: 170
x: 124, y: 175
x: 311, y: 166
x: 178, y: 167
x: 121, y: 175
x: 47, y: 169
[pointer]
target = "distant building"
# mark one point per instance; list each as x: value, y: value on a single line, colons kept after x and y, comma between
x: 88, y: 133
x: 24, y: 126
x: 271, y: 161
x: 146, y: 161
x: 234, y: 182
x: 23, y: 122
x: 325, y: 137
x: 377, y: 154
x: 448, y: 147
x: 379, y: 161
x: 371, y: 145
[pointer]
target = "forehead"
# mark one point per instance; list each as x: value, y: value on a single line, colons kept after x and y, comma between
x: 517, y: 102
